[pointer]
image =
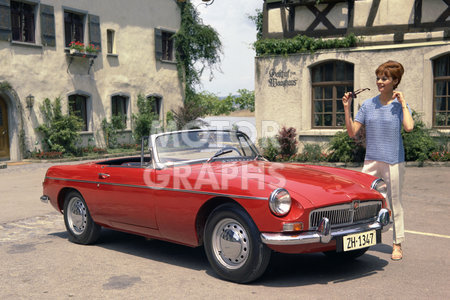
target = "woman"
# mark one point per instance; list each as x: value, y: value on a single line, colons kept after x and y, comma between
x: 383, y: 117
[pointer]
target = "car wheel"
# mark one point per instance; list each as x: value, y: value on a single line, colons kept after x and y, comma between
x: 349, y: 255
x: 233, y: 245
x: 79, y: 224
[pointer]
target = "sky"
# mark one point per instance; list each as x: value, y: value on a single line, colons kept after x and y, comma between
x: 237, y: 33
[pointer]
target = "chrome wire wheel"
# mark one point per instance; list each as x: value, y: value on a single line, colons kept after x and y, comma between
x: 77, y: 215
x: 230, y: 244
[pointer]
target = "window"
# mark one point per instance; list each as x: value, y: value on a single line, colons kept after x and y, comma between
x: 330, y: 81
x: 73, y: 28
x: 120, y: 107
x: 441, y: 99
x: 156, y: 103
x: 110, y: 40
x: 164, y: 49
x: 22, y: 22
x: 78, y: 107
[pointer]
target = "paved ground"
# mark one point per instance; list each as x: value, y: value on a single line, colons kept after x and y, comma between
x: 37, y: 261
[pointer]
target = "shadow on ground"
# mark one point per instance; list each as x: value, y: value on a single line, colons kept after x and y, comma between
x: 284, y: 270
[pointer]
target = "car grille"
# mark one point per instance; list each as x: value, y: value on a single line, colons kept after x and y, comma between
x: 345, y: 214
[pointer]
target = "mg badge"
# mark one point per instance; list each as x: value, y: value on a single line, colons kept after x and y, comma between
x: 355, y: 204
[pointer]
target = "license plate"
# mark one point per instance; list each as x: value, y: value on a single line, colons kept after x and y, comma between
x: 359, y: 240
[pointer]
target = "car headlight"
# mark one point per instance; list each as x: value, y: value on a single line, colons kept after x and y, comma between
x: 380, y: 186
x: 280, y: 202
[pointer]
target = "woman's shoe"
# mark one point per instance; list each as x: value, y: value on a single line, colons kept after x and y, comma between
x: 397, y: 253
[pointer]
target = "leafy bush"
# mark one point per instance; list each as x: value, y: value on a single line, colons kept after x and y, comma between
x: 111, y: 130
x: 146, y: 118
x: 60, y: 132
x: 269, y: 148
x: 311, y: 152
x: 345, y: 149
x: 418, y: 143
x: 186, y: 116
x: 287, y: 139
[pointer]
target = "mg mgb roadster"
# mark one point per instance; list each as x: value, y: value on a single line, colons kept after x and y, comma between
x: 212, y: 188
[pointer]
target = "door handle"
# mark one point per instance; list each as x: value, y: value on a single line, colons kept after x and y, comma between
x: 103, y: 175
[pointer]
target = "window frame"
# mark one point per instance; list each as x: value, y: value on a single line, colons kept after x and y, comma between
x: 165, y: 45
x: 83, y: 17
x: 87, y: 109
x: 446, y: 96
x: 110, y: 41
x: 334, y: 84
x: 125, y: 106
x: 32, y: 22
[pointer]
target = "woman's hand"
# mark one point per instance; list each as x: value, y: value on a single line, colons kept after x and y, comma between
x: 347, y: 100
x: 400, y: 98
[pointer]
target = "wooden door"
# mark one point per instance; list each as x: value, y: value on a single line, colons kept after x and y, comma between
x: 4, y: 136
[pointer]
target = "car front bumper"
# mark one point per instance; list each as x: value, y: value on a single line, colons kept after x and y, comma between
x: 325, y: 234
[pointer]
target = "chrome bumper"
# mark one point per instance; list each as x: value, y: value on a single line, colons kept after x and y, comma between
x: 325, y: 234
x: 44, y: 199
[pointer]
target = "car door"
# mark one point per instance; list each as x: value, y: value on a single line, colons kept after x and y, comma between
x: 126, y: 198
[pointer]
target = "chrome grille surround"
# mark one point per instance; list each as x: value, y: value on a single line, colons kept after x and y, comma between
x: 345, y: 214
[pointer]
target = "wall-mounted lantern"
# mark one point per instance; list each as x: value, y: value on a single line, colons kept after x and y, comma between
x: 30, y: 101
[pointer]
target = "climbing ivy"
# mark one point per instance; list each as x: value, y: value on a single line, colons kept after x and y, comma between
x: 301, y: 44
x: 198, y: 46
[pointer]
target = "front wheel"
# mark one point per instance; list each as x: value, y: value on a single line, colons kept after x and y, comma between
x: 79, y: 224
x: 233, y: 245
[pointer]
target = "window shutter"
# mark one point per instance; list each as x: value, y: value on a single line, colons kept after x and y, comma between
x: 48, y: 35
x: 95, y: 37
x: 158, y: 44
x: 5, y: 20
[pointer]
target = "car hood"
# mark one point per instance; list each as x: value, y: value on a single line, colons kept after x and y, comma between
x: 315, y: 184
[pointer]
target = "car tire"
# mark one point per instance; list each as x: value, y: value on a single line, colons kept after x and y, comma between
x: 233, y: 245
x: 350, y: 255
x: 79, y: 224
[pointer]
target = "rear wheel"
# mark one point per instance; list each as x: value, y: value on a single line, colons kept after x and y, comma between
x: 349, y: 255
x: 233, y: 245
x: 79, y: 224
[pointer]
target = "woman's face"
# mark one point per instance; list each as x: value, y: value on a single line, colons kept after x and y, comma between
x: 385, y: 83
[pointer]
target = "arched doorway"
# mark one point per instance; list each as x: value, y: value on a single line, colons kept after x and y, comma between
x: 4, y: 134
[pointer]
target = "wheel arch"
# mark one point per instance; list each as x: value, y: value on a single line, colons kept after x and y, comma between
x: 62, y: 196
x: 205, y: 211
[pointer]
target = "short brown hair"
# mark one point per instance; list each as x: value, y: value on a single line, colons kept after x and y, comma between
x: 392, y: 69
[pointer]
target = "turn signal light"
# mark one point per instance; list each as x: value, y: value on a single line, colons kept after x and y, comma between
x: 290, y: 227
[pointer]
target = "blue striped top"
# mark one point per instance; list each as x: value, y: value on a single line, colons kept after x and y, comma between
x: 383, y: 124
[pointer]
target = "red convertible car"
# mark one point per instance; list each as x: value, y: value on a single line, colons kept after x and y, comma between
x: 213, y: 188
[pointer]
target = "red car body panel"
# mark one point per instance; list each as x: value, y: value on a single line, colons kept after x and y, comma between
x: 166, y: 203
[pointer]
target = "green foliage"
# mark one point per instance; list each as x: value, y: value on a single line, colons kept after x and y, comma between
x: 311, y: 152
x: 301, y: 44
x: 186, y: 116
x: 418, y: 143
x: 197, y: 46
x: 60, y: 132
x: 146, y: 119
x: 287, y: 139
x: 213, y: 105
x: 269, y: 148
x: 345, y: 149
x: 5, y: 86
x: 258, y: 20
x: 245, y: 100
x: 112, y: 129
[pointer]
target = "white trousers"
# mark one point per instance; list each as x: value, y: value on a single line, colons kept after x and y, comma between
x: 393, y: 175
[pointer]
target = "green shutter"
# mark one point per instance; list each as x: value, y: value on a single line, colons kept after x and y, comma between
x: 95, y: 37
x: 5, y: 20
x: 158, y: 43
x: 48, y: 35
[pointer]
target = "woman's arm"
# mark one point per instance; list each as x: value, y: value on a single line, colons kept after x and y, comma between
x: 352, y: 127
x: 408, y: 122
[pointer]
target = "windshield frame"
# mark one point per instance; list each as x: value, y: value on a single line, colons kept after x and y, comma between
x: 159, y: 164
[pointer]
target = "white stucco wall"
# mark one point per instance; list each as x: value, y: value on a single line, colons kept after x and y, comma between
x: 290, y: 105
x: 43, y: 71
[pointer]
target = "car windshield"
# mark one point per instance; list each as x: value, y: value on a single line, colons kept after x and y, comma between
x: 197, y: 145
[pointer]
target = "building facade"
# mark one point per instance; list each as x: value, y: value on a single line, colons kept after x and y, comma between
x: 304, y: 91
x: 135, y: 57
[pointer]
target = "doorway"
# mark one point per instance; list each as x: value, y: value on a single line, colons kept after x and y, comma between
x: 4, y: 134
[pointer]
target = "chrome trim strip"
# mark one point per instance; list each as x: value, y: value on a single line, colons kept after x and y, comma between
x: 323, y: 235
x: 158, y: 188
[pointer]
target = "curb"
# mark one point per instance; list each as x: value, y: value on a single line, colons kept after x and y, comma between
x: 3, y: 165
